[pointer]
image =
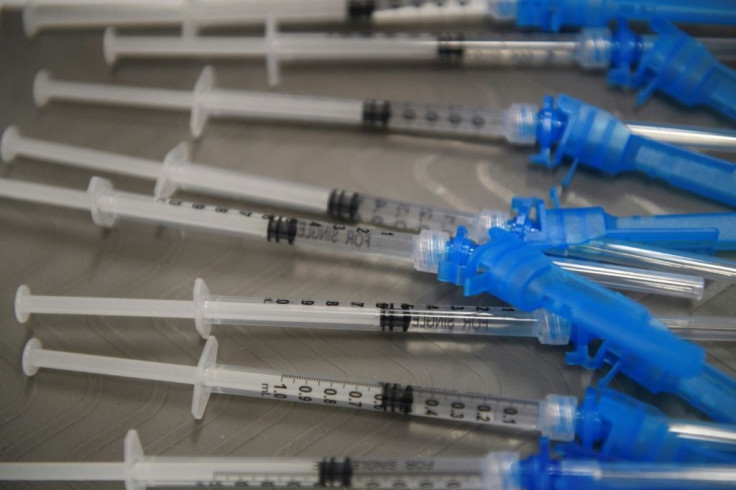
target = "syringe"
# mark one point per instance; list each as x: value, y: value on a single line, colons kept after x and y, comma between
x: 208, y: 377
x: 193, y: 14
x: 107, y: 205
x: 398, y: 317
x: 139, y: 471
x: 593, y: 48
x: 611, y: 415
x: 497, y: 471
x: 515, y: 124
x: 577, y: 131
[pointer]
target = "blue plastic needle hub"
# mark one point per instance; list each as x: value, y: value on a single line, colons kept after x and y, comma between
x: 593, y: 137
x: 552, y: 15
x: 560, y: 228
x: 679, y: 66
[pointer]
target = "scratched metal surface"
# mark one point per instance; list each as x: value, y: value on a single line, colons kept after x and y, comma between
x: 65, y: 416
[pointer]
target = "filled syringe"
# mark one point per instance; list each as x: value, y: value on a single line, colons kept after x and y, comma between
x: 565, y: 129
x: 397, y: 317
x: 139, y: 471
x: 594, y: 48
x: 208, y: 377
x: 423, y: 251
x: 554, y: 416
x: 178, y: 172
x: 516, y: 124
x: 495, y: 471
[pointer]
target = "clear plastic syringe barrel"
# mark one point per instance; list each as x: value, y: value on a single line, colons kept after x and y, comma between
x: 553, y: 416
x: 384, y: 397
x: 378, y: 473
x: 517, y: 124
x: 110, y: 205
x: 391, y: 213
x: 387, y: 317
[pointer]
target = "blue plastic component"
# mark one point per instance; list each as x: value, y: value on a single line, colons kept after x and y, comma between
x: 679, y: 66
x: 612, y: 425
x: 552, y: 15
x: 595, y: 138
x: 633, y: 341
x: 554, y: 228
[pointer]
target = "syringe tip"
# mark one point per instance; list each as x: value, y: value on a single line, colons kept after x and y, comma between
x: 29, y: 366
x: 21, y: 314
x: 41, y: 88
x: 9, y: 144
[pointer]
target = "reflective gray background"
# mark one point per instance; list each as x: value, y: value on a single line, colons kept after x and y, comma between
x: 65, y: 416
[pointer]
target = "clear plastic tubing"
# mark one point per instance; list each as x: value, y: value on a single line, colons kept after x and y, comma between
x: 496, y: 471
x: 651, y: 257
x: 423, y: 251
x: 591, y: 49
x: 402, y: 318
x: 209, y: 377
x: 139, y: 471
x: 517, y: 124
x: 178, y: 172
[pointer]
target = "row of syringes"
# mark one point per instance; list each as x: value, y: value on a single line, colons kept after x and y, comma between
x: 178, y: 172
x: 661, y: 62
x: 207, y: 310
x: 495, y: 471
x: 555, y: 416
